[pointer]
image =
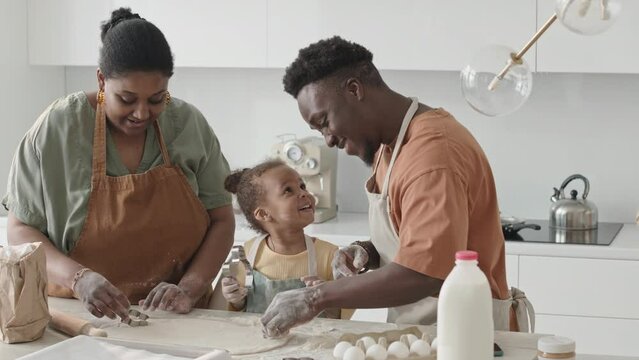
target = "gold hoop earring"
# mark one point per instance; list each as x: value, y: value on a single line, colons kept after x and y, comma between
x: 167, y: 98
x: 101, y: 97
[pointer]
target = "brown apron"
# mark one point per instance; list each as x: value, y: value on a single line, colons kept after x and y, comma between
x: 140, y: 229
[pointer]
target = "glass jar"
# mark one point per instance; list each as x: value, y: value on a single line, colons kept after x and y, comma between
x: 556, y: 347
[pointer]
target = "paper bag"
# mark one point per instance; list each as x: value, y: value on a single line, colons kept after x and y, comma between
x: 24, y: 310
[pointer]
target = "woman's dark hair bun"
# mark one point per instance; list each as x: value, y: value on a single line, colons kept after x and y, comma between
x: 117, y: 16
x: 232, y: 181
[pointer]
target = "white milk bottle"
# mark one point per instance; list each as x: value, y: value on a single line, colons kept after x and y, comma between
x: 465, y: 328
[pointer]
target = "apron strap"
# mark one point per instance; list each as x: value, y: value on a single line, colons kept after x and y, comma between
x: 312, y: 258
x: 165, y: 152
x: 99, y: 144
x: 524, y: 310
x: 398, y: 143
x: 253, y: 252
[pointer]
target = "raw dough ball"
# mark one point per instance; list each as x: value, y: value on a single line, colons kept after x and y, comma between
x: 420, y: 348
x: 368, y: 341
x: 354, y: 353
x: 340, y: 349
x: 399, y: 350
x: 376, y: 352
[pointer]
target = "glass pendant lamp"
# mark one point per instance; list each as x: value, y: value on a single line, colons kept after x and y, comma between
x: 498, y: 81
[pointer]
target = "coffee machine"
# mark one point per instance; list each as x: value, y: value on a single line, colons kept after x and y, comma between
x: 317, y: 164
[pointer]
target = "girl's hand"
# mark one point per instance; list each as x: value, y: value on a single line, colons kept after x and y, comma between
x: 311, y: 280
x: 233, y: 292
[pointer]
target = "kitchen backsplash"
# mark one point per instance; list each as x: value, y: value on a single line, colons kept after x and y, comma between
x: 573, y: 123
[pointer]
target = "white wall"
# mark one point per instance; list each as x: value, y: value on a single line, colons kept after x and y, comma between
x: 572, y: 124
x: 24, y: 90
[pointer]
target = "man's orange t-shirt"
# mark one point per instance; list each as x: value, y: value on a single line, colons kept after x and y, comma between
x: 443, y: 200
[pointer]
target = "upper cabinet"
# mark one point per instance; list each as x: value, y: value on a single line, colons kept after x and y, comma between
x: 202, y: 33
x: 561, y: 50
x: 65, y: 32
x: 402, y: 34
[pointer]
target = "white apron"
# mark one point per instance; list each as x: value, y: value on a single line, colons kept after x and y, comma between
x: 263, y: 290
x: 386, y: 241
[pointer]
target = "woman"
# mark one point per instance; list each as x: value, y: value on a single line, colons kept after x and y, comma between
x: 124, y: 186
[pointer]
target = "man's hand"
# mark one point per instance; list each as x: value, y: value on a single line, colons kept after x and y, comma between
x: 101, y: 297
x: 233, y: 292
x: 169, y: 297
x: 349, y: 261
x: 288, y: 309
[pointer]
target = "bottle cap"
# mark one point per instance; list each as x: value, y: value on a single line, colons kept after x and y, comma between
x: 556, y: 345
x: 466, y: 255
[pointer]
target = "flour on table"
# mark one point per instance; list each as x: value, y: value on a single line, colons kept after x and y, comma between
x: 240, y: 336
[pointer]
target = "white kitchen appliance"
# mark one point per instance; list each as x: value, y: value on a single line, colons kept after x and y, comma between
x: 317, y: 164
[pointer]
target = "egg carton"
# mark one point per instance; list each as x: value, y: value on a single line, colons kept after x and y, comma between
x: 394, y: 342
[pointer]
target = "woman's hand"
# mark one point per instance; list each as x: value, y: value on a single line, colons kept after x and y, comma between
x: 100, y: 297
x: 169, y: 297
x: 233, y: 292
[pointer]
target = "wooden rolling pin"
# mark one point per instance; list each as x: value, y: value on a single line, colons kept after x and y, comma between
x: 72, y: 325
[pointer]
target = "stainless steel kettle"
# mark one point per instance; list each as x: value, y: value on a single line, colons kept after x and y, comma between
x: 572, y: 213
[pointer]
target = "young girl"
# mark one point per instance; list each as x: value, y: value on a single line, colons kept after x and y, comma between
x: 275, y: 202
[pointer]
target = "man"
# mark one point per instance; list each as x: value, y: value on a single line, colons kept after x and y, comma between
x: 431, y: 194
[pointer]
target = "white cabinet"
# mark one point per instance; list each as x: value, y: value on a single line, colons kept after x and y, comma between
x: 613, y: 51
x: 404, y: 34
x: 593, y: 301
x: 594, y: 335
x: 201, y: 33
x: 205, y: 33
x: 581, y: 287
x: 65, y: 32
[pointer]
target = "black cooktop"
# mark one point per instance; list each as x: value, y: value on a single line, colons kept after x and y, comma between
x: 603, y: 235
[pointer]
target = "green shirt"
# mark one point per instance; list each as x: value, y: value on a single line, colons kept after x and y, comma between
x: 50, y: 177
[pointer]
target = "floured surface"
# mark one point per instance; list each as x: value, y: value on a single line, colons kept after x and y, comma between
x: 240, y: 336
x: 241, y: 333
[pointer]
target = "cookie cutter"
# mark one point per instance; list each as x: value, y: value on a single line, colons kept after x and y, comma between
x: 248, y: 275
x: 238, y: 256
x: 136, y: 318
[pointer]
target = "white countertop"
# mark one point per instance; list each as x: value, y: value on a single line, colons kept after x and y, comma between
x: 305, y: 340
x: 348, y: 227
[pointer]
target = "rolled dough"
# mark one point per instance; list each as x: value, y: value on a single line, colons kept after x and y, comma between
x: 240, y: 336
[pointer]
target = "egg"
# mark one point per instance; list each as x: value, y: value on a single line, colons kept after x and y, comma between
x: 354, y: 353
x: 433, y: 345
x: 376, y: 352
x: 368, y: 341
x: 411, y: 338
x: 340, y: 349
x: 427, y: 338
x: 404, y: 340
x: 383, y: 342
x: 399, y: 350
x: 420, y: 348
